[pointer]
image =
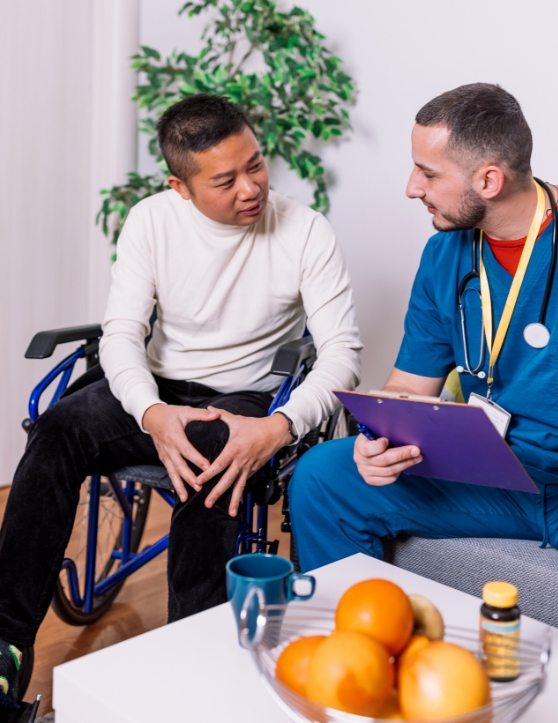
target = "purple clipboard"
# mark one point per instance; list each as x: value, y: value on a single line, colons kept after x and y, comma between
x: 458, y: 442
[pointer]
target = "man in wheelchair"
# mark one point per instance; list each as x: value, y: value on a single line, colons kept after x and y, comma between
x: 234, y: 271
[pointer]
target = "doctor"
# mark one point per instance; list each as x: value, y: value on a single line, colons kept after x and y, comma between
x: 471, y: 151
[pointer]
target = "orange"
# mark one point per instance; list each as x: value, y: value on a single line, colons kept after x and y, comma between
x: 351, y: 672
x: 292, y: 664
x: 380, y: 609
x: 440, y: 681
x: 391, y: 710
x: 417, y: 642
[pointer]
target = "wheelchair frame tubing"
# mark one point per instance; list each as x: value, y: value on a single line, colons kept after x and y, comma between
x: 66, y: 367
x: 246, y: 535
x: 91, y: 555
x: 130, y: 562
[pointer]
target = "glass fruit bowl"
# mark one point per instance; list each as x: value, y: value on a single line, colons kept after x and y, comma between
x: 278, y: 625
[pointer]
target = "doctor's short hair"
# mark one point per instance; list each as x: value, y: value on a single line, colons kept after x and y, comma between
x: 196, y: 124
x: 486, y: 124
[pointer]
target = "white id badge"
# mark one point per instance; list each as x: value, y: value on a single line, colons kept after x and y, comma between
x: 497, y: 415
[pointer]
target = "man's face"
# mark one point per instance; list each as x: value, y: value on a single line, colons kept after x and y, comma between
x: 441, y: 184
x: 232, y: 184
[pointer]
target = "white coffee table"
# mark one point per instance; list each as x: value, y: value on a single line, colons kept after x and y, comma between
x: 194, y: 670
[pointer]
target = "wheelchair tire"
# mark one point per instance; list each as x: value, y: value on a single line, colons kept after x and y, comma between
x: 110, y: 536
x: 341, y: 424
x: 293, y: 554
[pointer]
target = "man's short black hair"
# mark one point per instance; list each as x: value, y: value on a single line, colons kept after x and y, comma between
x: 485, y: 123
x: 196, y: 124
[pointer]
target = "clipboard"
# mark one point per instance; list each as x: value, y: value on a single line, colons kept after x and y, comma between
x: 458, y: 442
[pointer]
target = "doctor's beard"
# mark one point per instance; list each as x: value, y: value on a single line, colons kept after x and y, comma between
x: 470, y: 214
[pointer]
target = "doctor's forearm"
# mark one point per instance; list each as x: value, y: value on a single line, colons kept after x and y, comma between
x: 400, y: 381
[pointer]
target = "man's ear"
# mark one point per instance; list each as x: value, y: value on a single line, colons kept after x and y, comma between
x: 180, y: 187
x: 488, y: 181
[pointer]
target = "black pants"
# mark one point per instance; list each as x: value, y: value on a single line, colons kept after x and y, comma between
x: 89, y: 432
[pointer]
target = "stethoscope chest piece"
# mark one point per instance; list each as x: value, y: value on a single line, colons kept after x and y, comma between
x: 536, y: 335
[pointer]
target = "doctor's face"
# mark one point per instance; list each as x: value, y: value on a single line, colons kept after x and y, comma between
x: 441, y: 184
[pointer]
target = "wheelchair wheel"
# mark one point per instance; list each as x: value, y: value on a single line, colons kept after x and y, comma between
x: 109, y: 540
x: 341, y: 424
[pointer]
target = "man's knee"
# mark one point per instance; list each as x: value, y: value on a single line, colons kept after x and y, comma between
x: 209, y: 438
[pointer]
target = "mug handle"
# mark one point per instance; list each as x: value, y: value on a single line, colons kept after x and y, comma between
x: 261, y: 621
x: 297, y: 576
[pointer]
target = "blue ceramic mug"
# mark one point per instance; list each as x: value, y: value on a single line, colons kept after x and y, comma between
x: 274, y: 577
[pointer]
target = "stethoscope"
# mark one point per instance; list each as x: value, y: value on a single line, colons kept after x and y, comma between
x: 536, y: 334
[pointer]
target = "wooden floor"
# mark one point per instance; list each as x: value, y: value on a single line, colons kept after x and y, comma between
x: 141, y: 606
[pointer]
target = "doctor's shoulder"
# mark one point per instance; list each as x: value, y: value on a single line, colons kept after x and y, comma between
x: 446, y: 248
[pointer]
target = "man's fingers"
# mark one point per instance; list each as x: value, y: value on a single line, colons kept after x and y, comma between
x: 223, y: 485
x: 180, y: 467
x: 222, y: 414
x: 223, y: 461
x: 201, y: 415
x: 189, y: 452
x: 238, y: 490
x: 178, y: 484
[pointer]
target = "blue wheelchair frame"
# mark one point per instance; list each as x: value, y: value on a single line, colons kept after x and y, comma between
x: 248, y: 540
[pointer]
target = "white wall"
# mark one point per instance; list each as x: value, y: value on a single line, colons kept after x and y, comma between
x: 402, y: 53
x: 67, y: 129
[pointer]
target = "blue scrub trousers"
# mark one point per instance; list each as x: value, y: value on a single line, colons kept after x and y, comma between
x: 335, y: 513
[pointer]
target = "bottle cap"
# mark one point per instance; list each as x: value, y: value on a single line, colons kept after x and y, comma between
x: 499, y: 594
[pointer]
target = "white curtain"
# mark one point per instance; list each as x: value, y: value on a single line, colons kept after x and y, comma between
x: 67, y: 129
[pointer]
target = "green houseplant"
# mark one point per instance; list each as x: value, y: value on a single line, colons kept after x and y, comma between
x: 300, y: 93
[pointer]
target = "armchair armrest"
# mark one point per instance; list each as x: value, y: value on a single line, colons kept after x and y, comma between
x: 44, y: 343
x: 292, y: 354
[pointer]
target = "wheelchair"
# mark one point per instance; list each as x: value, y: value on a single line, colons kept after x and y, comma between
x: 104, y: 548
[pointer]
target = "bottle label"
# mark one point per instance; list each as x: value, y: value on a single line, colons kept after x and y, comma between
x: 500, y: 641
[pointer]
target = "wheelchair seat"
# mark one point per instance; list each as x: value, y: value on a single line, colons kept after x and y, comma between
x: 154, y: 475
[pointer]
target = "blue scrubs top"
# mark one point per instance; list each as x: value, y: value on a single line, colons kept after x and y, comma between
x: 525, y: 379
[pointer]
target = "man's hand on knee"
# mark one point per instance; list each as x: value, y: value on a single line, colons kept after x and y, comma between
x: 252, y: 441
x: 379, y: 465
x: 166, y: 425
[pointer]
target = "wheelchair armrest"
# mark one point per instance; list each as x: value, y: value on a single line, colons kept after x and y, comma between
x: 44, y: 343
x: 292, y: 354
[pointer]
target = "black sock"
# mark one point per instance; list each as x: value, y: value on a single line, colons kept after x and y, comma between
x: 10, y: 663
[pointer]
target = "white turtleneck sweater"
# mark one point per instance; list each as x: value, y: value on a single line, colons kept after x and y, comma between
x: 227, y: 297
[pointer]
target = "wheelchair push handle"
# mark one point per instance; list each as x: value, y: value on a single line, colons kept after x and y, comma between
x: 44, y: 343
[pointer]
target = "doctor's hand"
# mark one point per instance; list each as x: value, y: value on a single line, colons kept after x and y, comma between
x: 166, y: 425
x: 252, y: 442
x: 379, y: 465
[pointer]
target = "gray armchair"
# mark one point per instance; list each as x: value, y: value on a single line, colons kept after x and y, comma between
x: 466, y: 564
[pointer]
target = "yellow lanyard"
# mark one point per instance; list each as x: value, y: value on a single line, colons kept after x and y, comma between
x: 494, y: 350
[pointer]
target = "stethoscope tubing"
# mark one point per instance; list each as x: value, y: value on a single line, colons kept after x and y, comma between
x: 552, y: 267
x: 474, y: 274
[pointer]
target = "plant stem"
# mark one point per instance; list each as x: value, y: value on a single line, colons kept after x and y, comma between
x: 245, y: 57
